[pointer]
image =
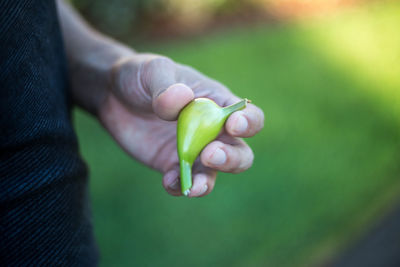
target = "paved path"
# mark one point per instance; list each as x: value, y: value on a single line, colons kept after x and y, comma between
x: 379, y: 248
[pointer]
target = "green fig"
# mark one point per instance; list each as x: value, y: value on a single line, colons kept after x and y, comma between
x: 199, y: 123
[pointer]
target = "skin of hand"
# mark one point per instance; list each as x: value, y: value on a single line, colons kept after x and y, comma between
x: 137, y: 98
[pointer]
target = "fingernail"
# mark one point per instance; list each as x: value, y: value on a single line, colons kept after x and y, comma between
x: 203, y: 190
x: 171, y: 180
x: 241, y: 124
x: 200, y: 180
x: 175, y: 185
x: 218, y: 157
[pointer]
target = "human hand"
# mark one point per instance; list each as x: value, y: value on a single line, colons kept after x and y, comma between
x: 140, y: 109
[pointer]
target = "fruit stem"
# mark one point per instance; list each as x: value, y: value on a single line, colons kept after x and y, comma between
x: 186, y: 177
x: 235, y: 107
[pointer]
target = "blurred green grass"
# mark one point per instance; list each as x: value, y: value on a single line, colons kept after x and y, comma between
x: 326, y: 164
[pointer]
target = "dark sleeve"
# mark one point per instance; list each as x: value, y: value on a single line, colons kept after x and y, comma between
x: 45, y: 217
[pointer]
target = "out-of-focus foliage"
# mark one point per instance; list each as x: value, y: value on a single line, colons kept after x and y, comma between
x: 128, y: 18
x: 326, y: 164
x: 138, y: 15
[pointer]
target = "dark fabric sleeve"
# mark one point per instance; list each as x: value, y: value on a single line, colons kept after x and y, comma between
x: 45, y: 218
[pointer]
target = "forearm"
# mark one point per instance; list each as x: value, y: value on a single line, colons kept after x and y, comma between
x: 90, y: 56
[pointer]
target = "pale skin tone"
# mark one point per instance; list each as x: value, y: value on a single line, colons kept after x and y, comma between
x: 137, y: 98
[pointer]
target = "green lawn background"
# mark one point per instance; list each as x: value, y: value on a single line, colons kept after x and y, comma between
x: 326, y: 164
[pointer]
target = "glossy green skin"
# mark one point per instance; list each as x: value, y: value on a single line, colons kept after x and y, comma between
x: 198, y: 124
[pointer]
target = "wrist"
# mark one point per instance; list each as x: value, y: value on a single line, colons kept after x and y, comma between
x: 91, y: 73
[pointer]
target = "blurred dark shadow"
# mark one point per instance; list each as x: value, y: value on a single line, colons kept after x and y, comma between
x: 379, y: 247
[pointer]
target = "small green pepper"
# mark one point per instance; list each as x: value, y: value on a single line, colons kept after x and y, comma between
x: 198, y: 124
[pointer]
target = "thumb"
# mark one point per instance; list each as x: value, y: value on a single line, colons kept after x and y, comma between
x: 168, y: 95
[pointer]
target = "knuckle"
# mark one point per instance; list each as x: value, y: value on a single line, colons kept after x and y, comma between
x: 150, y: 69
x: 157, y: 62
x: 246, y: 159
x: 120, y: 73
x: 233, y: 163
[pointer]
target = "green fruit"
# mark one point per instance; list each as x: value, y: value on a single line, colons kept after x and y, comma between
x: 199, y: 123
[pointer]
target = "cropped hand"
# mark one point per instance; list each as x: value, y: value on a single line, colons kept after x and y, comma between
x: 140, y: 109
